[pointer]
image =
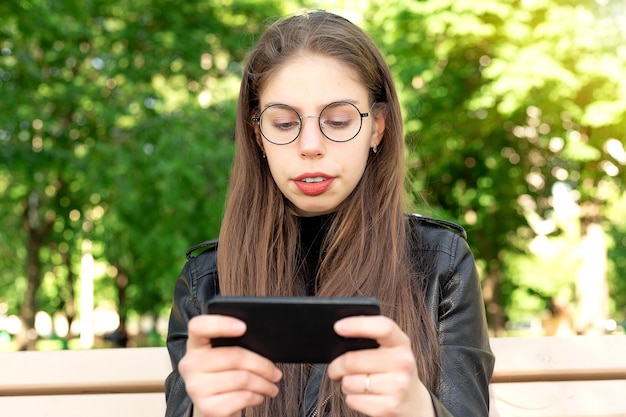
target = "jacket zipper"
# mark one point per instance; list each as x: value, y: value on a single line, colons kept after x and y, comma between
x: 323, y: 405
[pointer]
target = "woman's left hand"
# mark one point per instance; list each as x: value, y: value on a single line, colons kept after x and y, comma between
x: 380, y: 382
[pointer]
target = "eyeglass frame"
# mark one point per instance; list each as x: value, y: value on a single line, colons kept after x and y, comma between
x: 257, y: 119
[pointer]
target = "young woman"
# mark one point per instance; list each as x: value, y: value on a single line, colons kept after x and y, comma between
x: 315, y: 207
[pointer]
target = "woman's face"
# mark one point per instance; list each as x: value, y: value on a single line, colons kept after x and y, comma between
x: 314, y: 173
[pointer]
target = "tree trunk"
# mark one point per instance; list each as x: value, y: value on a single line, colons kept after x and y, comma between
x: 27, y: 336
x: 493, y: 300
x: 69, y: 304
x: 122, y: 285
x: 36, y: 232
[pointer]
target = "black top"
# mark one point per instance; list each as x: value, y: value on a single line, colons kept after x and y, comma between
x: 312, y: 232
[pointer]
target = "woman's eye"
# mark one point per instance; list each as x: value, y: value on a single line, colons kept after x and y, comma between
x: 285, y: 125
x: 337, y: 122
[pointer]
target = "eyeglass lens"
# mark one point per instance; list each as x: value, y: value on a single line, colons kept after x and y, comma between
x: 339, y: 122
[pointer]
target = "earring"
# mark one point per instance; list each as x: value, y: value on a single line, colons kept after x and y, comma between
x: 375, y: 148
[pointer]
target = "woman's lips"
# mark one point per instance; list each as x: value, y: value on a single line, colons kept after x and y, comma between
x: 313, y: 184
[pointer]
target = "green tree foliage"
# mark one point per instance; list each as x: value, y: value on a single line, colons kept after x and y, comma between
x: 504, y: 101
x: 115, y: 126
x: 116, y: 122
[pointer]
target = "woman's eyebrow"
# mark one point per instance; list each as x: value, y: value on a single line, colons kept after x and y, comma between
x: 297, y: 108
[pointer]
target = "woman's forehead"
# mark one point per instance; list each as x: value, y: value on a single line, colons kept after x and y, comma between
x: 313, y: 80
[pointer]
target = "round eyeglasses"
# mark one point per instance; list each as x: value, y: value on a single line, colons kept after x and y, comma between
x: 281, y: 124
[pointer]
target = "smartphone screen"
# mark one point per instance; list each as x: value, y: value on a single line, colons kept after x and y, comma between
x: 294, y: 329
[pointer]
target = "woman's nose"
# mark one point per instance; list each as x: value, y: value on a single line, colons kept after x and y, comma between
x: 312, y: 141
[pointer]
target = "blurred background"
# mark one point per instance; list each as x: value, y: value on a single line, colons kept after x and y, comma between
x: 116, y: 127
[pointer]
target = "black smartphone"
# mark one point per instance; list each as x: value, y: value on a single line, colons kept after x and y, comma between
x: 294, y: 329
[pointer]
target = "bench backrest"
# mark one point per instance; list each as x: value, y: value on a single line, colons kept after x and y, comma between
x: 78, y: 383
x: 578, y: 376
x: 538, y: 377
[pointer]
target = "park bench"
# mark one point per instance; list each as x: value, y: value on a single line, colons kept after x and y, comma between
x: 582, y: 376
x: 578, y: 376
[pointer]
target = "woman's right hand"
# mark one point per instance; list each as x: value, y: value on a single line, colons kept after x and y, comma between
x: 223, y: 381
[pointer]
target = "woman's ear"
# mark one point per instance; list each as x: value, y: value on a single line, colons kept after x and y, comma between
x: 378, y: 127
x: 259, y: 139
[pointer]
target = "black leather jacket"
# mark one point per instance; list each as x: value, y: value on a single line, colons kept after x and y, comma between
x: 453, y: 295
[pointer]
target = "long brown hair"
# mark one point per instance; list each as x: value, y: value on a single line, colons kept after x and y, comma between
x: 366, y: 250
